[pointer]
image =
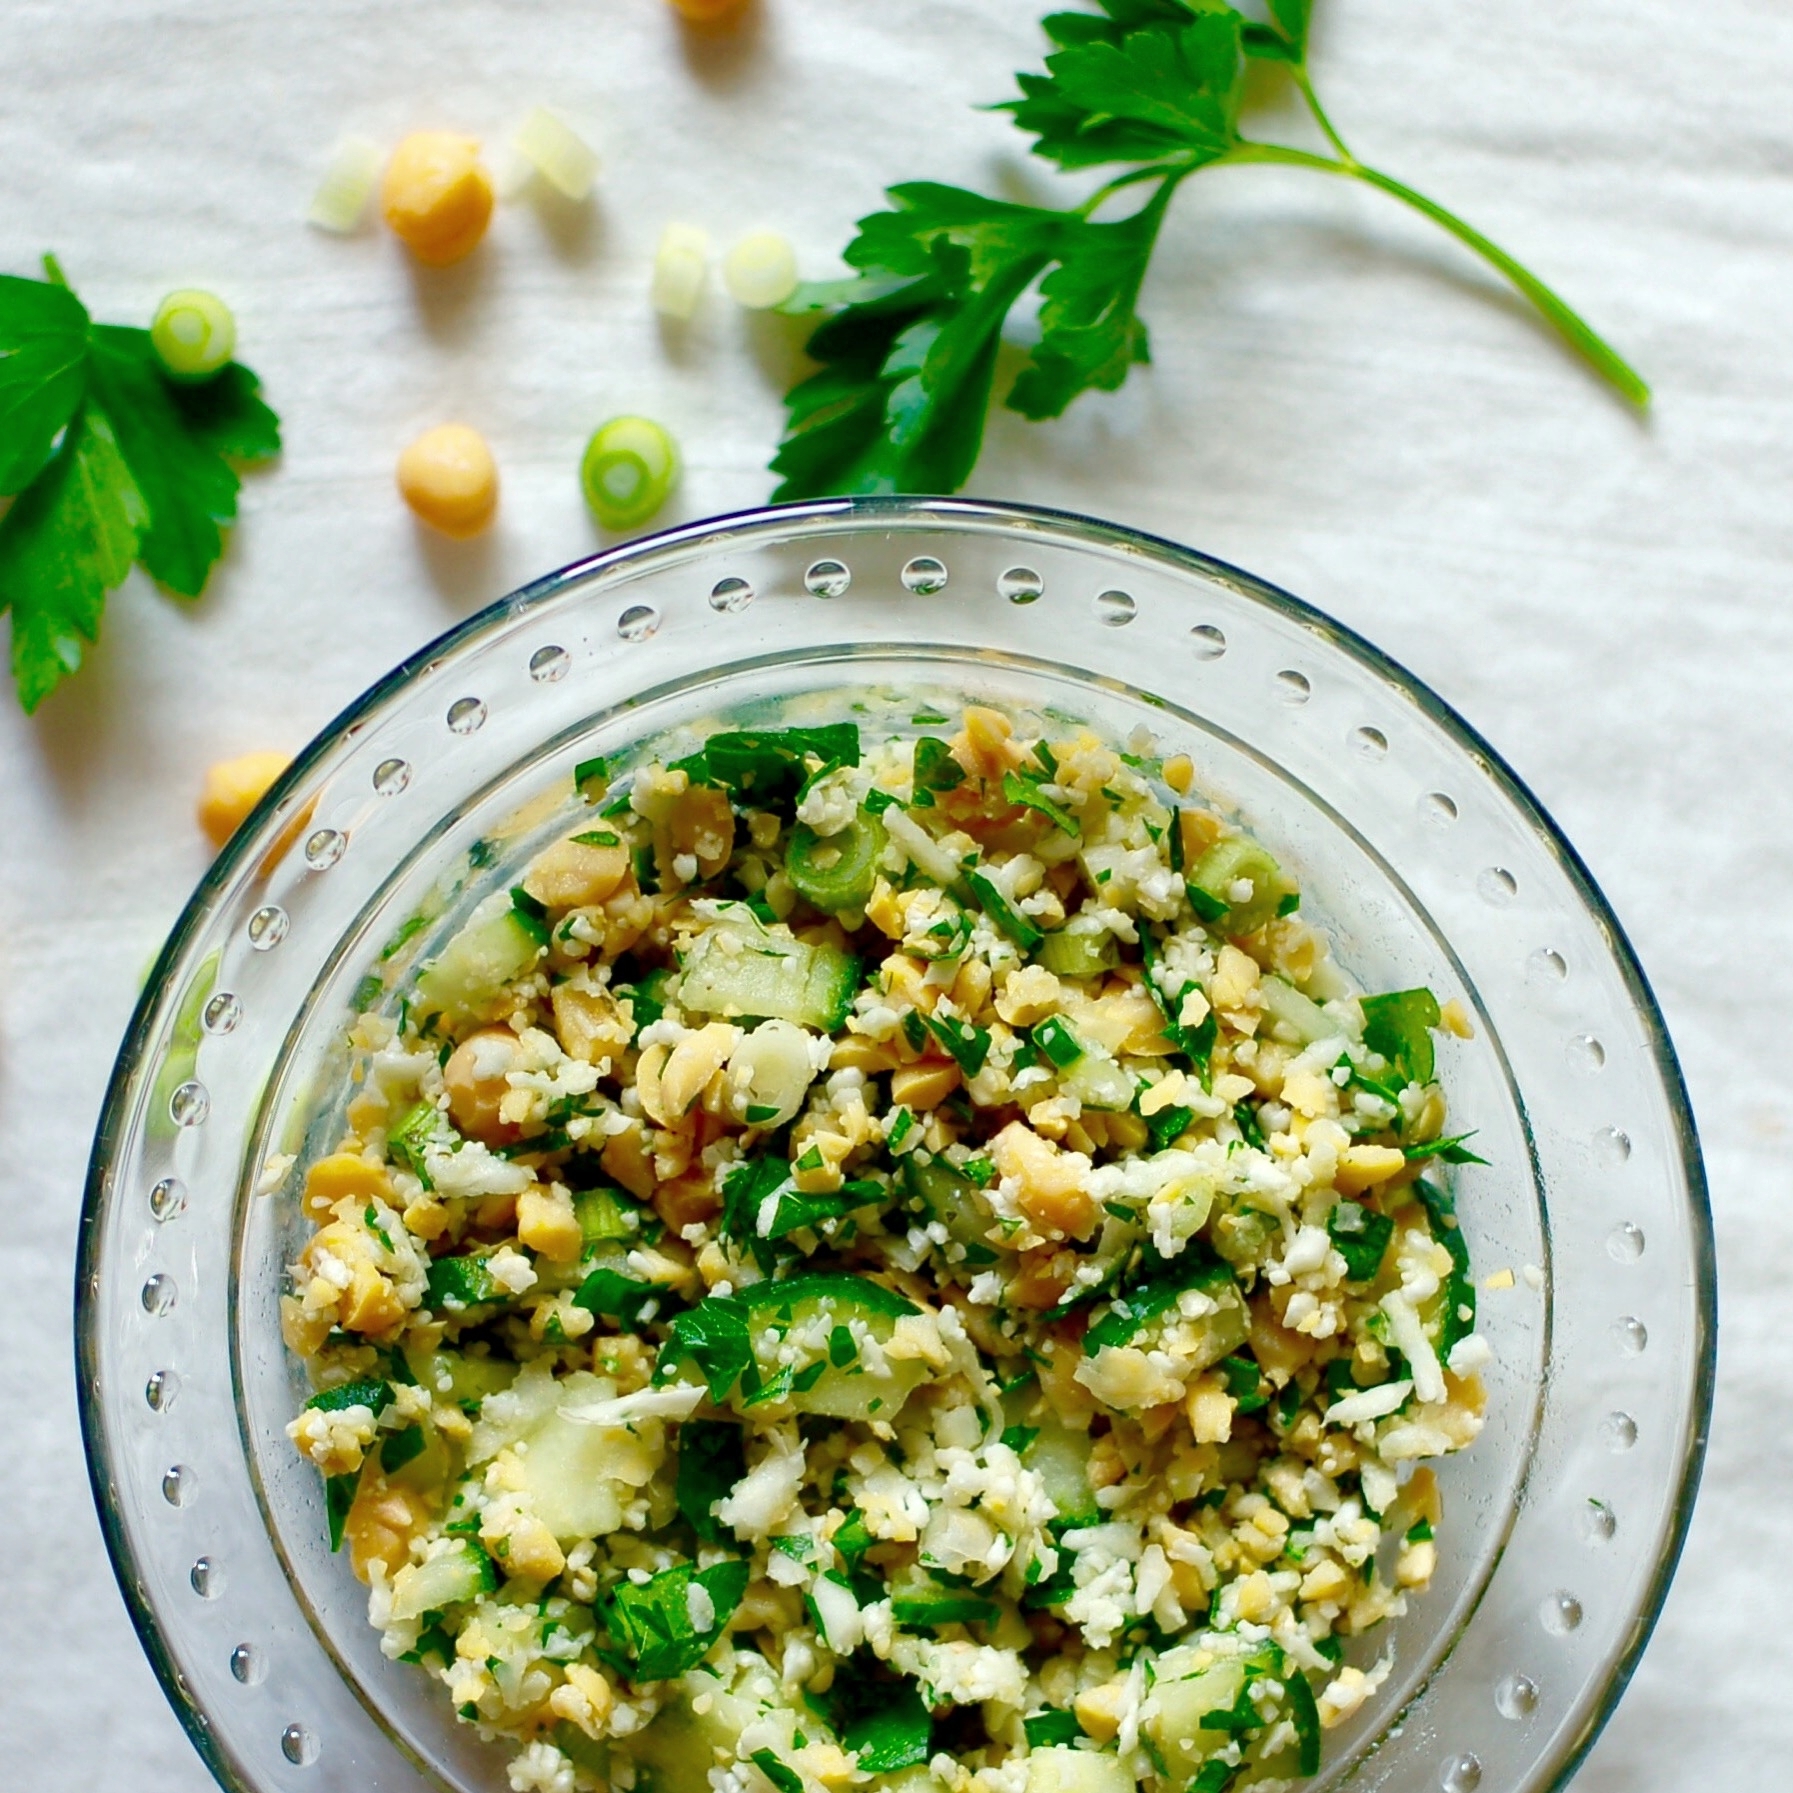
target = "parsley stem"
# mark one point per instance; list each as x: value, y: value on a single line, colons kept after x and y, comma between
x: 1319, y: 112
x: 1569, y: 323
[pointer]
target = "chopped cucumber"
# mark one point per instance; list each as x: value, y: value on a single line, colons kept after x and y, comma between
x: 836, y: 871
x: 1233, y: 861
x: 955, y: 1201
x: 458, y: 1574
x: 1301, y: 1015
x: 920, y: 1603
x: 1176, y: 1709
x: 1097, y: 1082
x: 820, y: 1309
x: 459, y: 1377
x: 740, y: 968
x: 495, y: 948
x: 1060, y: 1457
x: 1075, y: 951
x: 1065, y: 1769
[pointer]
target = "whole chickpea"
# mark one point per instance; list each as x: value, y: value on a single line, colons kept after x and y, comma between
x: 437, y: 196
x: 232, y: 788
x: 449, y: 479
x: 707, y: 12
x: 475, y: 1079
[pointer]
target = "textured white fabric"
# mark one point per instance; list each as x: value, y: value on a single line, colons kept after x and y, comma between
x: 1341, y: 401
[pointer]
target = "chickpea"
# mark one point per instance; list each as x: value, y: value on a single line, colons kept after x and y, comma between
x: 232, y: 788
x: 437, y: 196
x: 449, y: 479
x: 475, y: 1079
x: 707, y: 12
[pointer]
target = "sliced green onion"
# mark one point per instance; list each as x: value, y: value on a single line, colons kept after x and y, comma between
x: 193, y: 333
x: 681, y: 265
x: 559, y: 154
x: 629, y: 470
x: 760, y: 271
x: 340, y: 202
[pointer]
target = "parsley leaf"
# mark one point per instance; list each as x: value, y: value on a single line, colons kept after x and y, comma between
x: 879, y: 1717
x: 712, y: 1458
x: 1398, y: 1026
x: 651, y: 1622
x: 713, y: 1336
x: 111, y: 461
x: 908, y: 345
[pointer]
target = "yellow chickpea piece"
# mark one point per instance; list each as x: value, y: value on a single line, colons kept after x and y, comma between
x: 437, y: 196
x: 449, y: 479
x: 232, y: 788
x: 707, y: 12
x: 475, y: 1078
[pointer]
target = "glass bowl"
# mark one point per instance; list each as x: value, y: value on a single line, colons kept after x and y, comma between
x: 1420, y: 852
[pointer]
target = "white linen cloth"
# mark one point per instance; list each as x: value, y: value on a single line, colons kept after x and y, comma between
x: 1341, y: 401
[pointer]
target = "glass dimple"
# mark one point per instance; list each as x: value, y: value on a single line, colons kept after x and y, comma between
x: 1618, y: 1432
x: 827, y: 579
x: 1208, y: 641
x: 1599, y: 1524
x: 466, y: 715
x: 1020, y: 585
x: 1115, y: 609
x: 1497, y: 886
x: 177, y: 1484
x: 206, y: 1579
x: 267, y: 927
x: 1625, y: 1243
x: 1546, y: 966
x: 1461, y: 1774
x: 924, y: 575
x: 247, y: 1664
x: 1516, y: 1697
x: 298, y: 1746
x: 731, y: 596
x: 168, y: 1200
x: 159, y: 1293
x: 1560, y: 1613
x: 1293, y: 687
x: 1612, y: 1146
x: 391, y: 777
x: 190, y: 1104
x: 638, y: 623
x: 1630, y: 1335
x: 1438, y: 808
x: 159, y: 1391
x: 324, y: 847
x: 1586, y: 1053
x: 547, y: 665
x: 221, y: 1013
x: 1372, y: 743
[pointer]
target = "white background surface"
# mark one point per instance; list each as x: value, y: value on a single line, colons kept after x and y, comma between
x: 1341, y: 402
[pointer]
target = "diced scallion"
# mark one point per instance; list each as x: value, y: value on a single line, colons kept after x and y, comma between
x: 630, y: 467
x: 558, y: 153
x: 340, y: 202
x: 681, y: 266
x: 760, y: 271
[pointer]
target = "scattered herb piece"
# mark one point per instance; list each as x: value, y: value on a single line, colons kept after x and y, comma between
x: 908, y: 343
x: 108, y: 459
x: 1399, y: 1027
x: 712, y: 1458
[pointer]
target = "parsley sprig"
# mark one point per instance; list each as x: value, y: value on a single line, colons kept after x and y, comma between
x: 107, y: 460
x: 908, y: 343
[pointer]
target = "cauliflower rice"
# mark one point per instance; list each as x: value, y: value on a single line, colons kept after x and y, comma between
x: 897, y: 1263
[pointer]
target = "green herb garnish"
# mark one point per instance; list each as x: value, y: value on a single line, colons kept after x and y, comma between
x: 908, y: 345
x: 108, y: 460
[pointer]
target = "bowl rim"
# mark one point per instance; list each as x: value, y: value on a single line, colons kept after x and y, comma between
x: 888, y: 510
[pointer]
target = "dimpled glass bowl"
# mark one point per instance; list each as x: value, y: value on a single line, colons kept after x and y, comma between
x: 1421, y: 854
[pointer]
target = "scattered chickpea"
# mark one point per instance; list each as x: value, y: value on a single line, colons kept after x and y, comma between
x: 707, y: 12
x: 232, y: 788
x: 475, y: 1080
x: 437, y: 196
x: 448, y: 477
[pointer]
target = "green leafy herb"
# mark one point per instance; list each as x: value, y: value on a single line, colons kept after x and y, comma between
x: 968, y: 1046
x: 1304, y: 1714
x: 1024, y: 790
x: 651, y: 1622
x: 1459, y: 1305
x: 780, y: 1773
x: 398, y: 1448
x: 339, y: 1496
x: 1045, y: 1729
x: 767, y: 766
x: 592, y: 776
x: 1399, y: 1027
x: 1251, y: 1130
x: 930, y: 1614
x: 935, y: 770
x: 1142, y: 1304
x: 1452, y: 1150
x: 1215, y: 1777
x: 1018, y: 1438
x: 1058, y: 1042
x: 107, y: 460
x: 531, y: 914
x: 597, y: 837
x: 879, y: 1717
x: 1195, y: 1043
x: 713, y: 1337
x: 712, y: 1458
x: 1360, y: 1236
x: 908, y: 344
x: 1001, y: 911
x: 1245, y: 1383
x: 622, y: 1297
x: 366, y: 1391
